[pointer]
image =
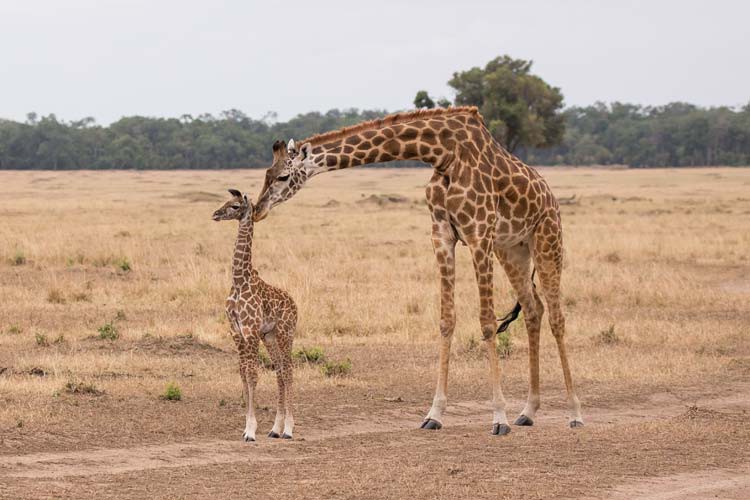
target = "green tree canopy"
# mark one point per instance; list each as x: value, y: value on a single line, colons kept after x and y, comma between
x: 423, y: 100
x: 521, y: 109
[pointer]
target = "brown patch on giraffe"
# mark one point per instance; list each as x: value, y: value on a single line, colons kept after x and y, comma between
x: 428, y: 136
x: 408, y: 134
x: 410, y: 151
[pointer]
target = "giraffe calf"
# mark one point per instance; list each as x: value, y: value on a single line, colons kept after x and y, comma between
x: 258, y: 312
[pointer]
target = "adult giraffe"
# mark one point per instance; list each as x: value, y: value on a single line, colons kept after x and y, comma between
x: 478, y: 194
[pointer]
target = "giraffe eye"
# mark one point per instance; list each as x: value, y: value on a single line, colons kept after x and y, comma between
x: 236, y: 207
x: 283, y: 178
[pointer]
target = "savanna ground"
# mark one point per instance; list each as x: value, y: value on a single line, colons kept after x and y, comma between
x: 656, y: 292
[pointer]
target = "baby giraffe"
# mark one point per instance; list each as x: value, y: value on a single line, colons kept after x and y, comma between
x: 258, y: 311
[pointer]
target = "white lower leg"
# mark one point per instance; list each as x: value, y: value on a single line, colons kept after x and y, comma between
x: 250, y: 423
x: 498, y: 399
x: 278, y: 422
x: 498, y: 411
x: 439, y: 403
x: 289, y: 424
x: 532, y: 405
x: 575, y: 410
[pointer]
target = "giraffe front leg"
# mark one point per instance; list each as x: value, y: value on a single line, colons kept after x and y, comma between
x: 250, y: 364
x: 444, y: 244
x: 273, y: 351
x: 287, y: 375
x: 482, y: 258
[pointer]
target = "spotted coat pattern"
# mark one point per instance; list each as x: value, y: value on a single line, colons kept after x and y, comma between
x: 480, y: 195
x: 258, y: 312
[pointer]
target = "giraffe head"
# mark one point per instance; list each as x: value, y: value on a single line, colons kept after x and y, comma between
x: 288, y: 173
x: 236, y: 208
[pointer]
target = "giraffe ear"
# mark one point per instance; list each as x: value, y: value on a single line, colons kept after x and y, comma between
x: 291, y: 147
x: 235, y: 193
x: 305, y: 150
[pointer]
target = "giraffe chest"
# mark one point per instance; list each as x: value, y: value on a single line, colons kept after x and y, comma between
x: 246, y: 307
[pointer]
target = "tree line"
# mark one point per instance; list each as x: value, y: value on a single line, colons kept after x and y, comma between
x: 677, y: 134
x: 230, y: 140
x: 522, y: 111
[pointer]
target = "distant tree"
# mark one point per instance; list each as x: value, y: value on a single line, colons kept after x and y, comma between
x: 521, y: 109
x: 443, y: 103
x: 423, y: 100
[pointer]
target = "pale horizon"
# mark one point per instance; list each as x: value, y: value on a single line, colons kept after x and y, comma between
x: 112, y: 59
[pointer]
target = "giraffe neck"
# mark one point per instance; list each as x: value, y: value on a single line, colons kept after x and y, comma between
x: 436, y: 140
x: 242, y: 263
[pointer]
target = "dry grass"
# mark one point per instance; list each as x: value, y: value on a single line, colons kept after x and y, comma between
x: 660, y: 257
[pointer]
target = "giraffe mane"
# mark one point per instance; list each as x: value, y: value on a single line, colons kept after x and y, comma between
x: 392, y: 119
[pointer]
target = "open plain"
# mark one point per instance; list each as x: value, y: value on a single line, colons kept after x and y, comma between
x: 112, y: 286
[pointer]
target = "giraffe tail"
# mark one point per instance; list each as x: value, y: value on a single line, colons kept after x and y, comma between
x: 509, y: 318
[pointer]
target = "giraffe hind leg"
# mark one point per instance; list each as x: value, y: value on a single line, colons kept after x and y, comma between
x: 516, y: 262
x: 269, y: 340
x: 548, y: 261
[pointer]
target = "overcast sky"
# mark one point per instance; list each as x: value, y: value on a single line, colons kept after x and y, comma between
x: 106, y: 59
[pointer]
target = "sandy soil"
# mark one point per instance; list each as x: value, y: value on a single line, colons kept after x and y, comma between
x: 621, y: 453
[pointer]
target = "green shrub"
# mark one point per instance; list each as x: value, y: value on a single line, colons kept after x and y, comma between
x: 264, y: 359
x: 14, y: 329
x: 337, y: 368
x: 41, y: 340
x: 312, y: 355
x: 504, y: 346
x: 123, y: 264
x: 172, y: 392
x: 18, y: 258
x: 108, y: 331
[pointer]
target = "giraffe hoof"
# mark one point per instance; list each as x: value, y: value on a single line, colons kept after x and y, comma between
x: 523, y: 420
x: 248, y: 439
x: 274, y: 435
x: 286, y: 436
x: 575, y: 424
x: 431, y: 424
x: 500, y: 429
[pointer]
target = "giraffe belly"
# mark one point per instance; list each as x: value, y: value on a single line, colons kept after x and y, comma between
x: 267, y: 326
x: 509, y: 233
